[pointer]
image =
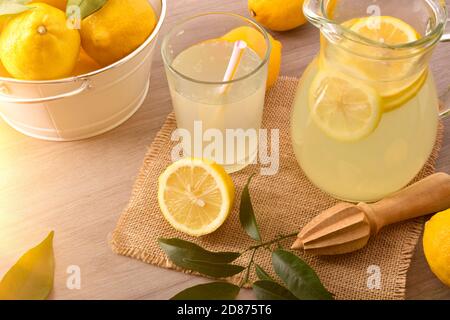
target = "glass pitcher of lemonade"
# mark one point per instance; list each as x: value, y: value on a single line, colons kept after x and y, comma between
x: 366, y: 113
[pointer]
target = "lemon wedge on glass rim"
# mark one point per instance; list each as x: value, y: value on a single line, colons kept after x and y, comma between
x: 195, y: 196
x: 344, y: 109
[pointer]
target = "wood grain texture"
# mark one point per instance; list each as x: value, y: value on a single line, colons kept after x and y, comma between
x: 80, y: 188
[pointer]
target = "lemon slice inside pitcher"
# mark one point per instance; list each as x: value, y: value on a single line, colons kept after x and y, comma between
x: 344, y: 109
x: 348, y: 105
x: 385, y: 29
x: 388, y: 64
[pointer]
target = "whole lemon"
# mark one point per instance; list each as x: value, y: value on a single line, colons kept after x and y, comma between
x: 117, y: 29
x: 85, y: 64
x: 3, y: 72
x: 37, y: 45
x: 278, y: 15
x: 436, y: 245
x: 60, y: 4
x: 255, y: 40
x: 4, y: 21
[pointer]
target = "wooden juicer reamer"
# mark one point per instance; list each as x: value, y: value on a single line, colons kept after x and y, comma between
x: 347, y: 227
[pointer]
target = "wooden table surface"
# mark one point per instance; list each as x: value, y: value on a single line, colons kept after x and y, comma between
x: 80, y: 188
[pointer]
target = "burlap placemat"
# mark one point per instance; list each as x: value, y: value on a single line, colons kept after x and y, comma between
x: 284, y: 203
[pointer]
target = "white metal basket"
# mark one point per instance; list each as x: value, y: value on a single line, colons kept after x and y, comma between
x: 83, y: 106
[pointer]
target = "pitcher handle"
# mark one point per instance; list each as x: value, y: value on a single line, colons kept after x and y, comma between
x: 446, y: 35
x: 445, y: 107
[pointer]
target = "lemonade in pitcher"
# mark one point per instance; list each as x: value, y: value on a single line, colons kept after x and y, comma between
x: 366, y: 114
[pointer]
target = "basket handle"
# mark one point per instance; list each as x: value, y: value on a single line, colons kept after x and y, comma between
x: 5, y: 98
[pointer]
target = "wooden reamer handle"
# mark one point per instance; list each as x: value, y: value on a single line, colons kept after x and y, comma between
x: 427, y: 196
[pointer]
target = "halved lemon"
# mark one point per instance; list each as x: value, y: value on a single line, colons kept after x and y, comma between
x: 343, y: 108
x: 195, y: 196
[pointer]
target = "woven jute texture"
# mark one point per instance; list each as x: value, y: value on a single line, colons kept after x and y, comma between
x: 283, y: 203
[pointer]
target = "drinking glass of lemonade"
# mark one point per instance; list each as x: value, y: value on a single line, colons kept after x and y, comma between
x: 218, y: 113
x: 366, y: 113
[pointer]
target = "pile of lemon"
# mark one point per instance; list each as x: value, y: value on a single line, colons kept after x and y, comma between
x: 39, y: 43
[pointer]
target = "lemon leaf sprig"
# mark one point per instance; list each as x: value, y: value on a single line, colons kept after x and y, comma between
x: 86, y: 7
x: 11, y: 7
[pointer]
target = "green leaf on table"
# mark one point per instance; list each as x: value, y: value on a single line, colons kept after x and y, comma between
x: 298, y: 276
x: 10, y: 7
x: 262, y: 275
x: 270, y: 290
x: 190, y: 256
x: 86, y: 7
x: 247, y: 214
x: 209, y: 291
x: 31, y: 278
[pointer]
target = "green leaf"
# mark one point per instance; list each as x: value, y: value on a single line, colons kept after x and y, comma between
x: 9, y: 7
x: 270, y: 290
x: 31, y: 278
x: 216, y: 270
x: 262, y: 275
x: 86, y: 7
x: 299, y: 277
x: 247, y: 214
x: 192, y: 251
x: 209, y: 291
x: 190, y: 256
